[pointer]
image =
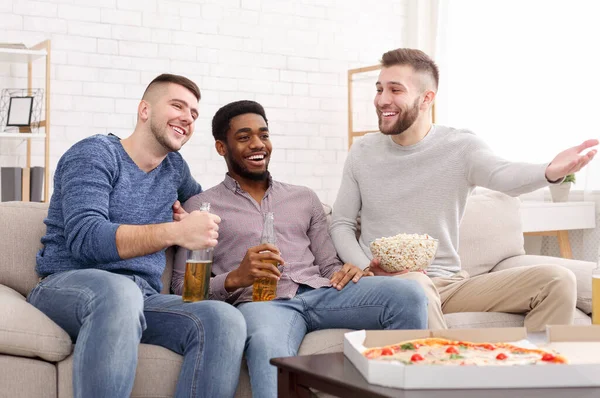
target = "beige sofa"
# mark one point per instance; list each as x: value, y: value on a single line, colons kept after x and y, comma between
x: 35, y: 354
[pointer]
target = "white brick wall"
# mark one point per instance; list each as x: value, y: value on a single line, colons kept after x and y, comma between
x: 290, y: 55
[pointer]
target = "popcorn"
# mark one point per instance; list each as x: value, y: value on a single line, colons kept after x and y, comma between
x: 411, y: 252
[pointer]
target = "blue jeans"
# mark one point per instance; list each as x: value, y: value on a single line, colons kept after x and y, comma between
x: 276, y: 328
x: 108, y: 315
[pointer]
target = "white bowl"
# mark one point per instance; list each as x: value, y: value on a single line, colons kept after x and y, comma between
x: 402, y: 252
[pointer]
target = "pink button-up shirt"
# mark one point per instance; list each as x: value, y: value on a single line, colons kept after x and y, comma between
x: 301, y: 230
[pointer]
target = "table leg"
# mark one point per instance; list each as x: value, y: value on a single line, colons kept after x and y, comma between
x: 564, y: 244
x: 563, y: 241
x: 288, y: 387
x: 285, y: 384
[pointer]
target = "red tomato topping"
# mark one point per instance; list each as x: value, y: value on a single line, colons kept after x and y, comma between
x: 548, y: 357
x: 501, y: 356
x: 416, y: 358
x: 387, y: 351
x: 451, y: 350
x: 490, y: 347
x: 417, y: 345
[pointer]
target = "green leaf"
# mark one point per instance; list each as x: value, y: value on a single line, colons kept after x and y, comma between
x: 456, y: 356
x: 569, y: 178
x: 407, y: 346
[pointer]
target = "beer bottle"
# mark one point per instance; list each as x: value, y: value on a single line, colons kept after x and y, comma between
x: 196, y: 280
x: 596, y: 293
x: 265, y: 289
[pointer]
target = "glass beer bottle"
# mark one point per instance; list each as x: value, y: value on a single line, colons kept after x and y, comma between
x: 265, y: 289
x: 596, y: 294
x: 196, y: 280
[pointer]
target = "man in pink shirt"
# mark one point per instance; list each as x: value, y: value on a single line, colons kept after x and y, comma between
x: 315, y: 290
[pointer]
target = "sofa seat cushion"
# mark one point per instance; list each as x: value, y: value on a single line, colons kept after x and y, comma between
x: 323, y: 342
x: 26, y: 377
x: 490, y: 231
x: 472, y: 320
x: 156, y: 374
x: 26, y: 332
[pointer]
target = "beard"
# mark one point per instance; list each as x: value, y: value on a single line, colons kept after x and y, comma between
x: 161, y: 135
x: 242, y: 171
x: 405, y: 119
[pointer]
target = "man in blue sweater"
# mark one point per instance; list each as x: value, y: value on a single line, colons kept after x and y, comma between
x: 114, y: 211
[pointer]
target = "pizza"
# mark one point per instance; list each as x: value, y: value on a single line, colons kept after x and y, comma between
x: 438, y: 351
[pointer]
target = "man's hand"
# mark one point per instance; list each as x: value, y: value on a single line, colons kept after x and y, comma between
x: 179, y: 212
x: 259, y: 262
x: 570, y: 160
x: 375, y: 268
x: 345, y: 274
x: 198, y: 230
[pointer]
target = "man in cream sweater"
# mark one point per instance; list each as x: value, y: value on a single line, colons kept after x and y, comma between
x: 415, y: 177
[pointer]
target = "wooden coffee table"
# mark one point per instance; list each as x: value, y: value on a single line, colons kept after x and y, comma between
x: 334, y: 374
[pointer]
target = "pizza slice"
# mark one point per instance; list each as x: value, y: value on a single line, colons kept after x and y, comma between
x: 438, y: 351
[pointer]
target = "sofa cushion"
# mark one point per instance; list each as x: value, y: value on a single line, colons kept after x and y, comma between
x: 323, y: 342
x: 25, y: 331
x: 490, y: 231
x: 156, y: 374
x: 473, y: 320
x: 21, y: 228
x: 26, y: 377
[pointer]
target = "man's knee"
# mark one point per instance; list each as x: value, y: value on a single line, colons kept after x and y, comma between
x: 215, y: 318
x: 561, y: 280
x: 409, y: 290
x: 115, y: 293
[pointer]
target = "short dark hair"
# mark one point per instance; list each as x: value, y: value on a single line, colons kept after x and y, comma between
x: 420, y: 61
x: 175, y: 79
x: 221, y: 120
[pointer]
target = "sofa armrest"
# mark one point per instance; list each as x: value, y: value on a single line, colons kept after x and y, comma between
x: 581, y: 269
x: 26, y: 332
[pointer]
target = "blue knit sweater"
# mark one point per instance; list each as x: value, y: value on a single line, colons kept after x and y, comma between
x: 98, y: 187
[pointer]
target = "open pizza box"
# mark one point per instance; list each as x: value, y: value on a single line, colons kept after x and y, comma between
x: 579, y: 344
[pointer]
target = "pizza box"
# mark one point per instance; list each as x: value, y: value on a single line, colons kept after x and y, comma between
x: 579, y: 344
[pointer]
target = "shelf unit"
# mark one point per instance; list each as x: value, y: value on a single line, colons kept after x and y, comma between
x: 28, y: 56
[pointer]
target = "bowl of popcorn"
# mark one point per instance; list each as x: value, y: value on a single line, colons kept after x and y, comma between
x: 412, y: 252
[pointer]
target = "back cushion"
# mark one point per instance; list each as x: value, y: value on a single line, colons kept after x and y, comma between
x: 21, y: 228
x: 490, y: 231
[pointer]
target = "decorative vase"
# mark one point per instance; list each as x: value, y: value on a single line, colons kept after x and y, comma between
x: 560, y: 192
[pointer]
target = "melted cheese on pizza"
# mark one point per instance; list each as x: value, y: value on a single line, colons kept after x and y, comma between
x: 445, y: 352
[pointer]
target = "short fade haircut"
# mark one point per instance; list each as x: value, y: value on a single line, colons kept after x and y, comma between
x: 175, y: 79
x: 420, y: 61
x: 221, y: 120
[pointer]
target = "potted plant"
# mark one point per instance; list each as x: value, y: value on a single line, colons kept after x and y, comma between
x: 560, y: 192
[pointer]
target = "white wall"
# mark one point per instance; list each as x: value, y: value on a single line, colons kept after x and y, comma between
x: 291, y: 56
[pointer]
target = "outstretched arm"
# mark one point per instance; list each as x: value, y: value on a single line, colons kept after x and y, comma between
x: 488, y: 170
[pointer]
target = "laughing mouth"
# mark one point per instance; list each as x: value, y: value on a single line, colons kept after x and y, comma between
x: 257, y: 157
x: 388, y: 114
x: 178, y: 130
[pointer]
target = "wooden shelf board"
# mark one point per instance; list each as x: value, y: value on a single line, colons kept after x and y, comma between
x: 20, y: 55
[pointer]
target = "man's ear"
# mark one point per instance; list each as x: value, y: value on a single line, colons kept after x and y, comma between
x: 428, y: 98
x: 220, y: 147
x: 143, y: 110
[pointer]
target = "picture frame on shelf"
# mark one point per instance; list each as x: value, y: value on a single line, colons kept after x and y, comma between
x: 20, y: 110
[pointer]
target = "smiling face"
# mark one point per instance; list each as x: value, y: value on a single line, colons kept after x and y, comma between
x: 399, y: 99
x: 172, y: 113
x: 248, y: 147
